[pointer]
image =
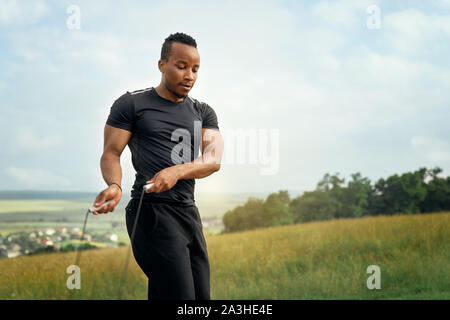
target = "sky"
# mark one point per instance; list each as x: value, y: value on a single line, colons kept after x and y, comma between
x: 316, y: 86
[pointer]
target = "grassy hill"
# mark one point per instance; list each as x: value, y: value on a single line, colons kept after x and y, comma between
x: 319, y: 260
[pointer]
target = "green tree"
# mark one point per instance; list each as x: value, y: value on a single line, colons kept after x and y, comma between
x: 402, y: 194
x: 354, y: 198
x: 333, y: 186
x: 254, y: 213
x: 257, y: 213
x: 232, y: 220
x: 313, y: 205
x: 276, y: 209
x: 438, y: 192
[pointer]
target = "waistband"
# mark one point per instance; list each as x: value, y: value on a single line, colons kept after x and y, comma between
x: 166, y: 201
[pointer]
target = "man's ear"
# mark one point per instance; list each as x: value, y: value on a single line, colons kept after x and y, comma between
x: 162, y: 66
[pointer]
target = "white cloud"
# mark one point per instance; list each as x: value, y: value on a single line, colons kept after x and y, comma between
x: 9, y: 9
x: 431, y: 148
x: 444, y: 4
x: 343, y: 14
x: 15, y: 12
x: 414, y: 32
x: 96, y: 49
x: 26, y: 140
x: 37, y: 179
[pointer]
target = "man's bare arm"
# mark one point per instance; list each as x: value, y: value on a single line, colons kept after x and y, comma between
x: 209, y: 161
x: 115, y: 140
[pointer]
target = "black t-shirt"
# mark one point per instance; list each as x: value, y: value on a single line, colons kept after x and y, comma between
x: 165, y: 133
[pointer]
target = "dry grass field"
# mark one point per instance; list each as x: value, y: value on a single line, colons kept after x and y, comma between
x: 318, y: 260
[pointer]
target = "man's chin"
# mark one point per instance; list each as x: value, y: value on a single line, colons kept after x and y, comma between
x: 180, y: 93
x: 180, y: 96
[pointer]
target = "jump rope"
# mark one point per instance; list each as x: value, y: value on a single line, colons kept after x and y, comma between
x: 127, y: 259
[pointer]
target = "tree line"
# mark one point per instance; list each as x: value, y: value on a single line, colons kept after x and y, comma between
x: 421, y: 191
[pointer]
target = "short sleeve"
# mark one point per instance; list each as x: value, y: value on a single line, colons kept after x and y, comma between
x: 209, y: 117
x: 122, y: 114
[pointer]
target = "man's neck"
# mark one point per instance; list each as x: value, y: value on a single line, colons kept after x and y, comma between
x: 162, y: 91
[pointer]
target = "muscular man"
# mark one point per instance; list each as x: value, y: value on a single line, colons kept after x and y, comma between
x: 163, y: 127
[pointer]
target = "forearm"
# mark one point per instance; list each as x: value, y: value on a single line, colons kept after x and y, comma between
x: 201, y: 167
x: 111, y: 169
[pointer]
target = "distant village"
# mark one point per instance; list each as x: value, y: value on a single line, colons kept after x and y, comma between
x: 212, y: 222
x: 64, y: 239
x: 53, y: 239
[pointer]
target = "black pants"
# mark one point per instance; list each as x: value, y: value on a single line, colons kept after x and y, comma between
x: 170, y: 248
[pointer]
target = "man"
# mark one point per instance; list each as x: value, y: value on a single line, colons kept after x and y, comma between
x: 162, y: 129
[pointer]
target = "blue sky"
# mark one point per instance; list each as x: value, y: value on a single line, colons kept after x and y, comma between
x: 344, y: 98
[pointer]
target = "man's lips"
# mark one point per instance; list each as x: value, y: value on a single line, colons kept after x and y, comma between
x: 185, y: 86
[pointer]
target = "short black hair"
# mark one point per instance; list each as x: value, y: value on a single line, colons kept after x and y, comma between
x: 176, y: 37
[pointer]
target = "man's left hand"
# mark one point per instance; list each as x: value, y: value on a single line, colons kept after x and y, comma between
x: 164, y: 180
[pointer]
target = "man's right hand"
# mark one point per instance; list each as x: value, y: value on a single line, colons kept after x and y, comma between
x: 112, y: 193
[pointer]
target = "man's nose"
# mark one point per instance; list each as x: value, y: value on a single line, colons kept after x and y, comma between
x: 189, y: 75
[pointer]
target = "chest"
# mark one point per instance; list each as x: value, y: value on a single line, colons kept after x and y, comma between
x: 169, y: 123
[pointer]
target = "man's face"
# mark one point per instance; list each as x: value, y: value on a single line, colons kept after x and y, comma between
x: 180, y: 72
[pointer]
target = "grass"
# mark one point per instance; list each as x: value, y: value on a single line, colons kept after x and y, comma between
x: 318, y: 260
x: 26, y: 205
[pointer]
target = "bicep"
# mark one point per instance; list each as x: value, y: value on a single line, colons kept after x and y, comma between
x: 115, y: 140
x: 212, y: 141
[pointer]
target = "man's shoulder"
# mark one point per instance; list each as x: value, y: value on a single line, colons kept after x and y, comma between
x: 199, y: 104
x: 139, y: 91
x: 134, y: 96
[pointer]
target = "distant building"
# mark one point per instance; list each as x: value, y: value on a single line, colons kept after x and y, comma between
x: 211, y: 221
x: 87, y: 237
x: 13, y: 251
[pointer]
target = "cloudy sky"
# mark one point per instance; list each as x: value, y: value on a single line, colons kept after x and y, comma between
x: 319, y: 86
